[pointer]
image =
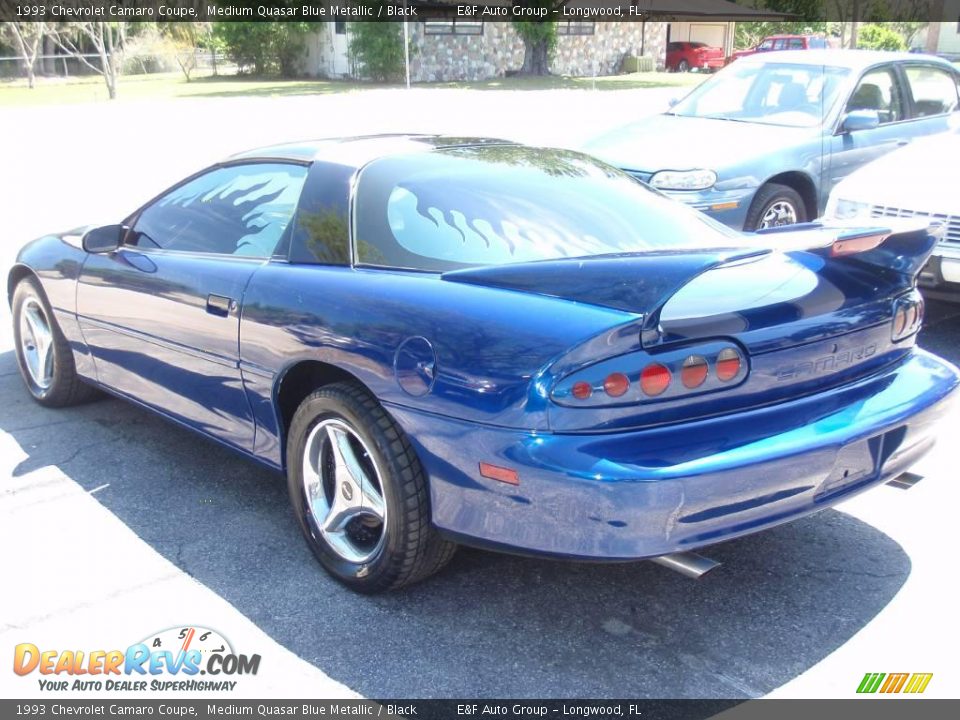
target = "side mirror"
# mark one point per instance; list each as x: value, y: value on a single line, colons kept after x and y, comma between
x: 672, y: 101
x: 104, y: 239
x: 860, y: 120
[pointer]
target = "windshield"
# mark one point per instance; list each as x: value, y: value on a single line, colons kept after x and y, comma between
x: 770, y: 93
x: 493, y: 205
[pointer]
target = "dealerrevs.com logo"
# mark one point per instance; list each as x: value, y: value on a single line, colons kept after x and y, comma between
x: 168, y: 660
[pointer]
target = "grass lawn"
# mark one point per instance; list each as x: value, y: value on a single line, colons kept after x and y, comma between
x: 50, y: 91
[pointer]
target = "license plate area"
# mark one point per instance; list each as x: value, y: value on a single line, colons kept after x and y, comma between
x: 855, y: 463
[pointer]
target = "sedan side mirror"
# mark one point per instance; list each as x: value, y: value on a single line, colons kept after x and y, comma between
x: 104, y: 239
x: 673, y: 101
x: 861, y: 120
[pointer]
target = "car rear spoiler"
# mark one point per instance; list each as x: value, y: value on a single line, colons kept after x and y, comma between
x: 902, y: 245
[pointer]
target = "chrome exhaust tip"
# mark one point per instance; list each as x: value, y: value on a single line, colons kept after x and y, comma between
x: 687, y: 563
x: 905, y: 481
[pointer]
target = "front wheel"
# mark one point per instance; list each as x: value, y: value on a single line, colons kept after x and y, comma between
x: 683, y: 66
x: 359, y: 492
x: 775, y: 205
x: 43, y: 353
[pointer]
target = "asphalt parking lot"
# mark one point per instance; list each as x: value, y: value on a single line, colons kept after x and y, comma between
x: 804, y: 609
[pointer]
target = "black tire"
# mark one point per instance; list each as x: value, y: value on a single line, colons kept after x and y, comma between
x: 65, y: 387
x: 769, y: 196
x: 683, y: 66
x: 410, y: 549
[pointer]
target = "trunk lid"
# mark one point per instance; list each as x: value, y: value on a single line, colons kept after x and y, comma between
x: 785, y: 288
x: 807, y: 319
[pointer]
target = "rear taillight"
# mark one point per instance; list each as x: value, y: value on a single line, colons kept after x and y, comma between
x: 616, y: 384
x: 907, y: 316
x: 693, y: 373
x: 582, y: 390
x: 654, y: 379
x: 637, y: 377
x: 728, y: 364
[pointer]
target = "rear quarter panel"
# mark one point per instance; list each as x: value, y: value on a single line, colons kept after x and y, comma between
x: 489, y: 344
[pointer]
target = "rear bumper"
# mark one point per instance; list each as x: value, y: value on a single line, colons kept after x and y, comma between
x: 643, y: 493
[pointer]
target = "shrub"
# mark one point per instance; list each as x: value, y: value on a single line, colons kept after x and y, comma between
x: 263, y: 47
x: 877, y: 36
x: 376, y: 50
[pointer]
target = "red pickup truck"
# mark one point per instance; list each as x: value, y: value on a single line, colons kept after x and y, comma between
x: 784, y: 42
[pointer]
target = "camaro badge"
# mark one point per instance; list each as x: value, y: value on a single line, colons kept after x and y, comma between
x: 828, y: 363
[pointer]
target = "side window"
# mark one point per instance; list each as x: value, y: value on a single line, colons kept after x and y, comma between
x: 765, y: 45
x: 673, y: 47
x: 237, y: 210
x: 795, y: 44
x: 878, y: 91
x: 934, y: 90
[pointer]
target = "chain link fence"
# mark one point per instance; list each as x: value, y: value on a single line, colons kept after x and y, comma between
x: 195, y: 63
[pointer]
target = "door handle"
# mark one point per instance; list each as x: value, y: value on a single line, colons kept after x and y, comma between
x: 901, y: 143
x: 220, y: 305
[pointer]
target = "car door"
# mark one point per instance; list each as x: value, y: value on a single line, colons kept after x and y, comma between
x: 879, y: 89
x: 932, y: 95
x: 161, y: 314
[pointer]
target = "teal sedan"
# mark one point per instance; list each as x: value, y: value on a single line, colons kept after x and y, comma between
x: 762, y: 143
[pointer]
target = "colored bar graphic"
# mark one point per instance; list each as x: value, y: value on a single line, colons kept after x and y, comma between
x: 895, y: 682
x: 918, y: 682
x: 870, y: 682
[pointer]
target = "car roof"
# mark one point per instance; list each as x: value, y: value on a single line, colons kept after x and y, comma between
x: 359, y: 150
x: 852, y: 59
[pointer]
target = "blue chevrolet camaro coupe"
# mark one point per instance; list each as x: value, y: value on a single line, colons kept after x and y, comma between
x: 454, y: 340
x: 763, y: 142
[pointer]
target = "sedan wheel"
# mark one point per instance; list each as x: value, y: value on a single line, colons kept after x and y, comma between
x: 359, y: 492
x: 775, y: 205
x: 779, y: 213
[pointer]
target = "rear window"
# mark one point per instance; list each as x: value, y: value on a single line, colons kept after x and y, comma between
x: 473, y: 206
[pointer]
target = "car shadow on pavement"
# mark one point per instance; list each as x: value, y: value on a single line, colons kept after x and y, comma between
x: 488, y: 625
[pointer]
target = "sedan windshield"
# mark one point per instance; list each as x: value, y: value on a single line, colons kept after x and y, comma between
x: 784, y: 94
x: 493, y: 205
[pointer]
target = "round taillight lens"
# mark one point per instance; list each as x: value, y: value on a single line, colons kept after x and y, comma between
x: 693, y: 371
x: 616, y: 384
x: 900, y: 322
x: 728, y: 364
x: 654, y: 379
x: 581, y: 390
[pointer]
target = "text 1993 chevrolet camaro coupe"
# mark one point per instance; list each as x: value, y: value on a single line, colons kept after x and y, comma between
x: 445, y: 340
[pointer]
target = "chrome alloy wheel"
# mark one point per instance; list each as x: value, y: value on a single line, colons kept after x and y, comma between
x: 779, y: 213
x: 344, y: 491
x: 36, y: 343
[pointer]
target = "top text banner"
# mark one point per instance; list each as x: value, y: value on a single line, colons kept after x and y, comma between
x: 484, y: 10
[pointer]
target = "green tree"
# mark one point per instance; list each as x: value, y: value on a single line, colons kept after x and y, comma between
x: 376, y: 50
x: 539, y: 36
x: 246, y: 43
x: 264, y: 47
x: 807, y: 12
